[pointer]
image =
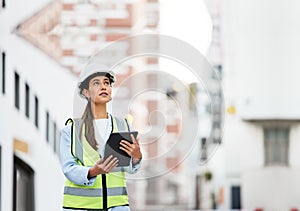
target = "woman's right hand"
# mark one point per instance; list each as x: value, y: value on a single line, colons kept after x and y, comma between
x: 103, y: 166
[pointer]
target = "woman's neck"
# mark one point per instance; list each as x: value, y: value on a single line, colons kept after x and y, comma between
x: 99, y: 111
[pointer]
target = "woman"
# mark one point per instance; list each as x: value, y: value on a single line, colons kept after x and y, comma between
x: 93, y: 183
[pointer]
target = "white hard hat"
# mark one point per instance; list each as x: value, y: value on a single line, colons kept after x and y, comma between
x: 92, y: 70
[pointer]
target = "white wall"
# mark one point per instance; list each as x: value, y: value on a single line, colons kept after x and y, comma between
x: 6, y: 155
x: 260, y: 42
x: 271, y: 188
x: 54, y: 87
x: 267, y: 35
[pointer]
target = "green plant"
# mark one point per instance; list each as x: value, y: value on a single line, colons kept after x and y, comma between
x: 208, y: 176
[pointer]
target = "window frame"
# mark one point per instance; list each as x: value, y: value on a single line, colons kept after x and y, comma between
x: 3, y: 69
x: 17, y: 90
x: 27, y: 100
x: 36, y: 111
x: 47, y: 126
x: 21, y: 166
x: 274, y: 154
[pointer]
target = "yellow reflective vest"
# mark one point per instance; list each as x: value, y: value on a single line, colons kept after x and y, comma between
x: 108, y: 190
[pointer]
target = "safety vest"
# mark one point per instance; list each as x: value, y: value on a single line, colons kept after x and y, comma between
x: 108, y: 190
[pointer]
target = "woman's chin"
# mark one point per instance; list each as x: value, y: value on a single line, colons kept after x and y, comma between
x: 102, y: 101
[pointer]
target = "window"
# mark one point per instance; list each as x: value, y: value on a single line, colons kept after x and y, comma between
x: 36, y: 111
x: 47, y: 125
x: 17, y: 90
x: 23, y: 186
x: 27, y: 99
x: 203, y: 149
x: 276, y: 142
x: 3, y: 71
x: 218, y: 72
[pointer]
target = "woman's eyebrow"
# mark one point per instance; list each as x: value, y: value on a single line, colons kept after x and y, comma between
x: 96, y: 79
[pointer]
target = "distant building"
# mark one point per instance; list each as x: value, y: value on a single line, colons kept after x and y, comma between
x: 257, y: 165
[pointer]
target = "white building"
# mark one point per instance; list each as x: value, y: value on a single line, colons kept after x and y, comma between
x: 32, y: 113
x: 257, y: 166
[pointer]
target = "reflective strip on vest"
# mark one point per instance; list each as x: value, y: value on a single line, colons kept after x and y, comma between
x: 92, y: 197
x: 95, y: 192
x: 78, y: 144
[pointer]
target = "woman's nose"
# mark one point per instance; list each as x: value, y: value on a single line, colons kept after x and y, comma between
x: 103, y: 87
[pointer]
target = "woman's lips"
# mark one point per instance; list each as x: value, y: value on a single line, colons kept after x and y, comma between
x: 103, y: 94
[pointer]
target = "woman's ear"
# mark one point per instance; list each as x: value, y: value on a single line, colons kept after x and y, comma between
x: 86, y: 93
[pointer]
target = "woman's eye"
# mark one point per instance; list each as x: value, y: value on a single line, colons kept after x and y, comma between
x: 96, y: 83
x: 106, y: 83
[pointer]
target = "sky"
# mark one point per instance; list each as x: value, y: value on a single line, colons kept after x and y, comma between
x: 189, y: 21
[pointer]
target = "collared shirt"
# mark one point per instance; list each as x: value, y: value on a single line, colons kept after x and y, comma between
x: 79, y: 174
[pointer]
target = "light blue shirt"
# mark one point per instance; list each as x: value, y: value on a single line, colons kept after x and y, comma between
x: 76, y: 173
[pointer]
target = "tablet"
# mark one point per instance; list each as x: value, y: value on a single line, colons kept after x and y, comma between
x: 112, y: 147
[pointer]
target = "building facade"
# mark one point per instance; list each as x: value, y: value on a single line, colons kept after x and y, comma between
x: 44, y: 45
x: 31, y: 117
x: 256, y: 167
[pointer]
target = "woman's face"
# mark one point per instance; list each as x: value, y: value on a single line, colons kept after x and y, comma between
x: 99, y: 90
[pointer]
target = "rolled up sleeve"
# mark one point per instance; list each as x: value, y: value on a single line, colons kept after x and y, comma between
x: 133, y: 168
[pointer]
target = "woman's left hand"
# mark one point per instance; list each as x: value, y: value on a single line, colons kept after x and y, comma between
x: 132, y: 149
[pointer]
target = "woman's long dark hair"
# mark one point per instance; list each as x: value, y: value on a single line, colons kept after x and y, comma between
x: 87, y: 120
x: 87, y: 117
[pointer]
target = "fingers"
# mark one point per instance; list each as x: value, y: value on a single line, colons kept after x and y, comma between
x: 107, y: 160
x: 125, y: 150
x: 112, y: 164
x: 134, y: 140
x: 131, y: 149
x: 105, y: 166
x: 126, y: 146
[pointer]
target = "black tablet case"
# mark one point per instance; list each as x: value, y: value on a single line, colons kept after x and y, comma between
x: 112, y: 147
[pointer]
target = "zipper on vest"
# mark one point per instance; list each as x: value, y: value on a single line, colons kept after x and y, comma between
x: 104, y: 191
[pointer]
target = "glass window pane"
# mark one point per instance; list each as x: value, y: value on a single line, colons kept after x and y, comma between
x: 276, y: 145
x: 36, y: 111
x: 23, y: 190
x: 17, y: 90
x: 27, y: 100
x: 47, y: 126
x: 3, y: 72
